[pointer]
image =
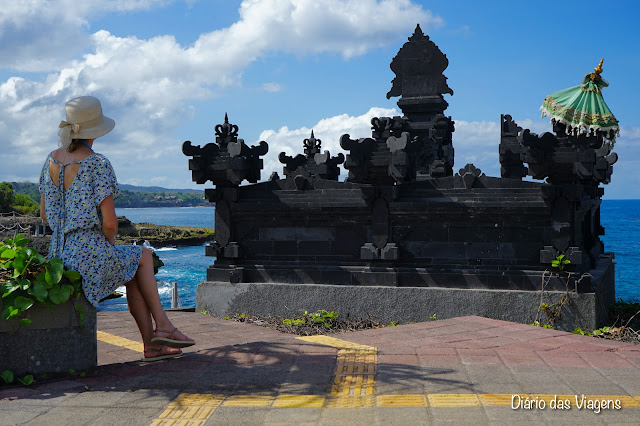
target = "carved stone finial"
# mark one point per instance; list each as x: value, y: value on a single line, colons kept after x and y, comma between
x: 226, y: 129
x: 418, y: 34
x: 311, y: 145
x: 418, y: 67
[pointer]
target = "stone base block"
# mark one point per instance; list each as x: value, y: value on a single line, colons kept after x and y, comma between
x: 53, y: 343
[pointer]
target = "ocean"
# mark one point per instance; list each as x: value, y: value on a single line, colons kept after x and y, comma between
x: 187, y: 265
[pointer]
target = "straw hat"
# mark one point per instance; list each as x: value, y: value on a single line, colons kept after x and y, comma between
x: 84, y: 121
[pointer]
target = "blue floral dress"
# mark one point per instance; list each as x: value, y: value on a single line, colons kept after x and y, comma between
x: 74, y: 217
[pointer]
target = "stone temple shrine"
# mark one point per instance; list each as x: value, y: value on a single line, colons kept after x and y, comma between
x: 408, y: 235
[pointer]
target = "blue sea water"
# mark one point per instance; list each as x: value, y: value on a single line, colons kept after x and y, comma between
x: 621, y: 221
x: 187, y: 265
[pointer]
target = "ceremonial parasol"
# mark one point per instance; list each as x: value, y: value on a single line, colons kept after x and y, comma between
x: 582, y: 108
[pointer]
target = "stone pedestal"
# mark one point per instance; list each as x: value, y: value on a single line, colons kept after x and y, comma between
x: 410, y: 304
x: 53, y: 343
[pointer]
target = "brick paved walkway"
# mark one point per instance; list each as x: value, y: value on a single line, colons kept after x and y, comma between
x: 467, y: 370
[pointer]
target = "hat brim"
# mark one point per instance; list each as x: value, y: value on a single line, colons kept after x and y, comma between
x: 95, y: 132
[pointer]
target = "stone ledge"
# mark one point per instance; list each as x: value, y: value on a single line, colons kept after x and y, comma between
x: 399, y: 304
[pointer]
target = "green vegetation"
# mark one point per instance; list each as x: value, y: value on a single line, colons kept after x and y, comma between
x: 322, y: 318
x: 160, y: 199
x: 12, y: 199
x: 8, y: 378
x: 24, y: 197
x: 23, y: 204
x: 560, y: 262
x: 26, y: 278
x: 6, y: 197
x: 536, y: 323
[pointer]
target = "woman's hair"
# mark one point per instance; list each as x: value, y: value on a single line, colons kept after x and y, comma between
x: 75, y: 143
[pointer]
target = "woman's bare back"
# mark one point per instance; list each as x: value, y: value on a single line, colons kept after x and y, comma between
x: 69, y: 160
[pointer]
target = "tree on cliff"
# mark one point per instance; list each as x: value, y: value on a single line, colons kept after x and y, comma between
x: 6, y: 197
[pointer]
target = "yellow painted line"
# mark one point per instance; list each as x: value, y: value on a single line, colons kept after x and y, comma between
x: 293, y: 401
x: 189, y: 410
x: 453, y: 400
x: 112, y: 339
x: 401, y: 401
x: 336, y: 343
x: 196, y: 409
x: 498, y: 400
x: 355, y: 368
x: 350, y: 401
x: 248, y: 401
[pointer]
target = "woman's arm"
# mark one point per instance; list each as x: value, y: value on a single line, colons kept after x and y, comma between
x: 109, y: 219
x: 43, y: 213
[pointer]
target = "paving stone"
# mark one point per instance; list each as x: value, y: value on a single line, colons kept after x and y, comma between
x: 458, y: 415
x: 354, y: 416
x: 19, y: 416
x: 241, y: 416
x: 65, y: 416
x: 298, y: 415
x: 402, y: 416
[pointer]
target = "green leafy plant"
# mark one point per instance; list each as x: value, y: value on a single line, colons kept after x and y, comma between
x: 432, y: 317
x: 322, y: 318
x: 537, y: 323
x: 560, y: 262
x: 601, y: 330
x: 581, y: 332
x: 27, y: 278
x: 7, y: 376
x: 26, y: 380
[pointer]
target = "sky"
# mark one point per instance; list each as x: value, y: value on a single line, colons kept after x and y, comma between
x: 168, y: 71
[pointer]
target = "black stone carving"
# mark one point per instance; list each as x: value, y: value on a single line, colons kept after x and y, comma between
x: 470, y: 175
x: 401, y: 151
x: 418, y: 67
x: 402, y: 217
x: 313, y: 163
x: 228, y: 161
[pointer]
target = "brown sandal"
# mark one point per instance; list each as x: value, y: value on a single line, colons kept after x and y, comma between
x: 169, y: 341
x: 158, y: 355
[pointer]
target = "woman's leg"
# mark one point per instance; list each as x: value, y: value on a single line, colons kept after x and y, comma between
x: 147, y: 290
x: 141, y: 314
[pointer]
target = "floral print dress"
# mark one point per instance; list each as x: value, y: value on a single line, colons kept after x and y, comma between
x: 74, y: 217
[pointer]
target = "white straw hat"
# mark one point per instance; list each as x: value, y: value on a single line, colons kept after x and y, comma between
x: 84, y: 120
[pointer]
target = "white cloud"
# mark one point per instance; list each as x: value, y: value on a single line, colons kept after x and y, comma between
x: 39, y: 35
x: 147, y: 85
x: 271, y: 87
x: 328, y: 130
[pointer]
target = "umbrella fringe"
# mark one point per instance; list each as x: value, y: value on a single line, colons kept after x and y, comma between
x: 582, y: 128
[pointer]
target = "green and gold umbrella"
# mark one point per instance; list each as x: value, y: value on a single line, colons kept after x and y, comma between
x: 582, y: 108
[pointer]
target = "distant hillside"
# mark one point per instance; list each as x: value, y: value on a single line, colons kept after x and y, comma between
x: 133, y: 188
x: 135, y: 196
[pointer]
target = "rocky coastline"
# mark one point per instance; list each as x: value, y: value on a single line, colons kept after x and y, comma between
x: 161, y: 235
x: 128, y: 232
